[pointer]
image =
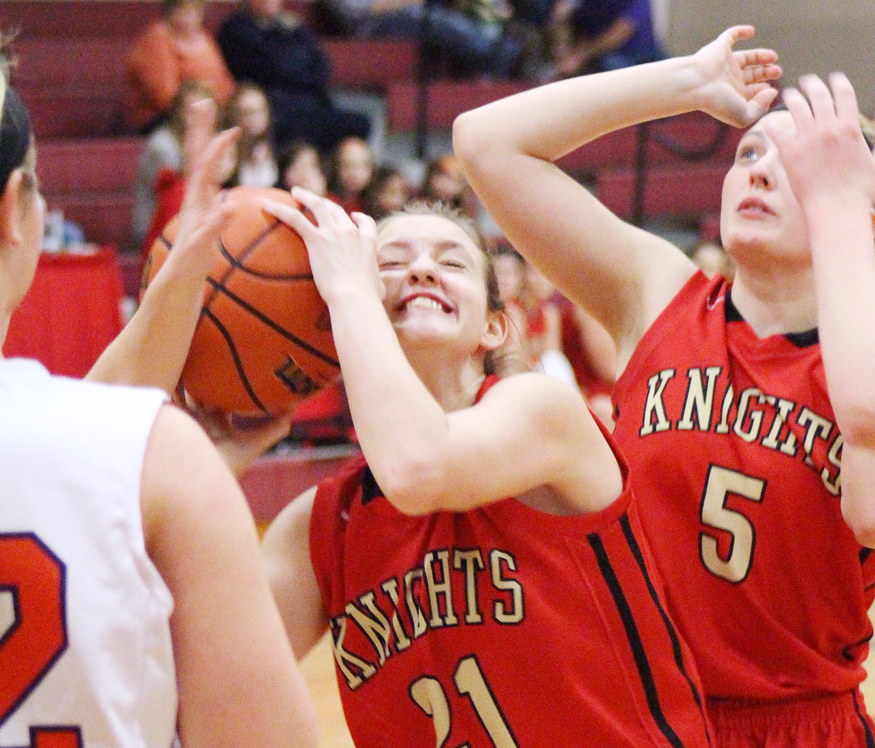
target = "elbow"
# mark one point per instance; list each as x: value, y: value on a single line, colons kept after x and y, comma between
x: 412, y: 487
x: 469, y: 139
x: 860, y: 520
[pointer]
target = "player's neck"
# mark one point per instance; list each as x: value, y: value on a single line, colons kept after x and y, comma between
x: 453, y: 386
x: 776, y: 304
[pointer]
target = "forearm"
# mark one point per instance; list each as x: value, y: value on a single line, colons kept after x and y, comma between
x: 399, y: 424
x: 549, y: 121
x: 843, y: 253
x: 152, y: 348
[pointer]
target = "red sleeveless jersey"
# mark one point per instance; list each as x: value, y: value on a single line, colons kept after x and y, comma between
x: 735, y: 459
x: 500, y: 626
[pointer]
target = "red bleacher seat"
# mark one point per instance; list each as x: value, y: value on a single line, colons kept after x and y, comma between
x: 90, y: 180
x: 447, y: 99
x: 371, y: 63
x: 685, y: 190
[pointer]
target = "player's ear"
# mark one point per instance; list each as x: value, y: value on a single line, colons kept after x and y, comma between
x: 496, y: 331
x: 10, y: 216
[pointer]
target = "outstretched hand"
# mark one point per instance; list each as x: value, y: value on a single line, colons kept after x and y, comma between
x: 203, y: 213
x: 825, y: 154
x: 342, y: 248
x: 735, y: 84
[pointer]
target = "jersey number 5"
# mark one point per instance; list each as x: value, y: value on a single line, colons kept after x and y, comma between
x: 35, y: 579
x: 720, y: 484
x: 429, y: 695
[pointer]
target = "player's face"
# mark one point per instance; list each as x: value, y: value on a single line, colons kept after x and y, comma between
x: 434, y: 276
x: 760, y: 213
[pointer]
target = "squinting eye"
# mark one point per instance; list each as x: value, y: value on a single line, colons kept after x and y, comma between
x: 748, y: 152
x: 454, y: 264
x: 389, y: 265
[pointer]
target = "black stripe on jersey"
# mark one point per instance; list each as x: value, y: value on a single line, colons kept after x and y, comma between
x: 870, y: 740
x: 864, y: 554
x: 370, y: 489
x: 634, y: 638
x: 799, y: 339
x: 669, y: 624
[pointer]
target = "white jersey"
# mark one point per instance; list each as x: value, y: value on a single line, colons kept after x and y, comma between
x: 85, y: 648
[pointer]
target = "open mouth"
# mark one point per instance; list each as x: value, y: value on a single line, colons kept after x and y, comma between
x: 425, y: 302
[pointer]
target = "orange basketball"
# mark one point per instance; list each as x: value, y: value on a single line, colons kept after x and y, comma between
x: 263, y: 340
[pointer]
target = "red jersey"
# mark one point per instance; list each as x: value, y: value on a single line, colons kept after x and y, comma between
x: 500, y: 626
x: 736, y: 458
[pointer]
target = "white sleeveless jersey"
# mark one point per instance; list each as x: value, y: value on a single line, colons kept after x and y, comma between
x: 85, y: 648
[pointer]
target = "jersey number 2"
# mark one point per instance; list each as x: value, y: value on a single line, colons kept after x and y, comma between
x: 720, y: 484
x: 35, y: 578
x: 429, y: 695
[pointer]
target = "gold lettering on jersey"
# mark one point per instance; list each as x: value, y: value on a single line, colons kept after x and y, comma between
x: 655, y: 419
x: 778, y: 424
x: 440, y: 593
x: 502, y: 612
x: 392, y: 617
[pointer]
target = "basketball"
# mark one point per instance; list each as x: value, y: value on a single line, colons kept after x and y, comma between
x: 263, y: 341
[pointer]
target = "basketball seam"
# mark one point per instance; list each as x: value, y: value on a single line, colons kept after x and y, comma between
x: 238, y: 364
x: 219, y: 288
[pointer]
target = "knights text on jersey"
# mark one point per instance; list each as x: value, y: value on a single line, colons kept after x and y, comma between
x: 735, y: 458
x: 501, y: 626
x: 85, y: 650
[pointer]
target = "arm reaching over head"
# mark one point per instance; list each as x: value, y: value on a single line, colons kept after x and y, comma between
x: 152, y: 348
x: 832, y: 173
x: 620, y: 274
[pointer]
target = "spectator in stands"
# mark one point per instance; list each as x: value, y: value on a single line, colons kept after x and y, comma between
x: 445, y: 182
x: 266, y: 45
x: 349, y: 170
x: 250, y: 110
x: 596, y: 35
x: 163, y: 151
x: 172, y: 50
x: 387, y: 192
x: 300, y: 166
x: 471, y: 33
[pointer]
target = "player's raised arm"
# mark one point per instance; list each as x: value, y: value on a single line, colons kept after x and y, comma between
x: 832, y: 173
x: 152, y: 348
x: 620, y: 274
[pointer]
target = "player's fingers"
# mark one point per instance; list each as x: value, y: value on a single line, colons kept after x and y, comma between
x: 327, y: 212
x: 735, y: 34
x: 199, y: 125
x: 799, y: 109
x: 367, y: 226
x: 819, y: 99
x: 761, y: 99
x: 292, y: 217
x: 756, y: 58
x: 847, y: 108
x: 760, y: 72
x: 210, y: 165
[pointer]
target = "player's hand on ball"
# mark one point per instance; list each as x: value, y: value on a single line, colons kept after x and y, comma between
x: 342, y: 248
x: 241, y: 441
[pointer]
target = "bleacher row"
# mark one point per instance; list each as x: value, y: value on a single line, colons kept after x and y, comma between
x: 70, y: 74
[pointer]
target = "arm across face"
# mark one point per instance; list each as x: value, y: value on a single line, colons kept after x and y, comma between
x: 832, y: 173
